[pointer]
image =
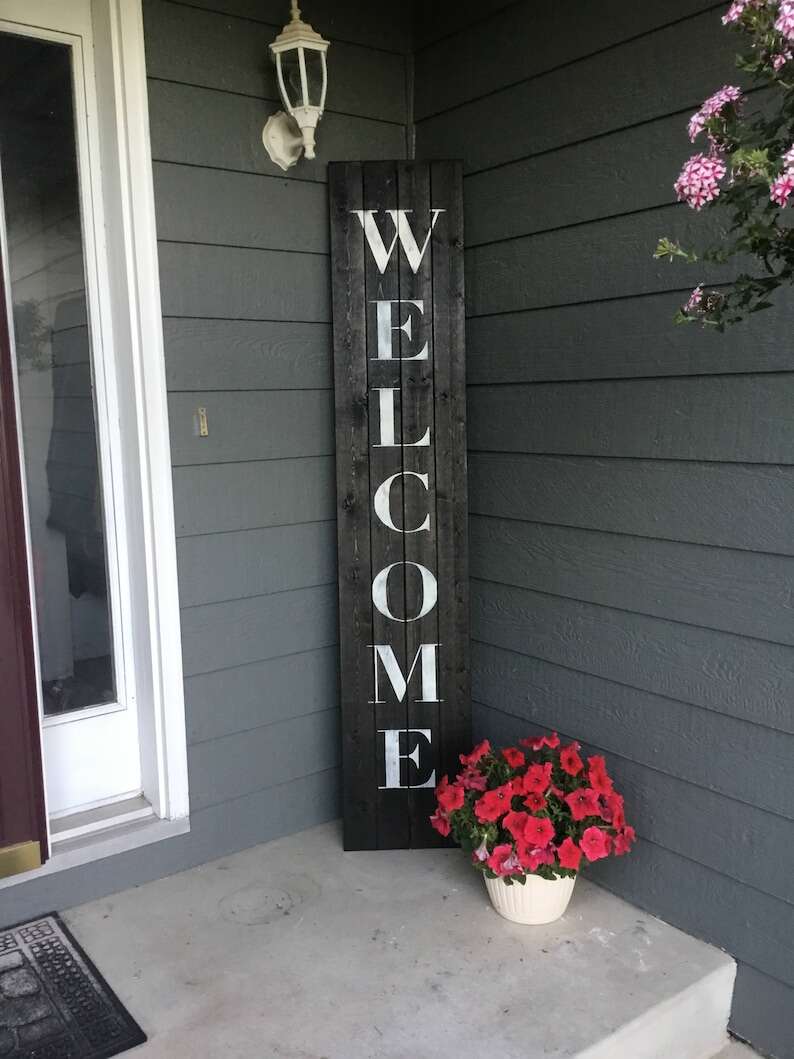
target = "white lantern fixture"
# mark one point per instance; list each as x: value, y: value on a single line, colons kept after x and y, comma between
x: 299, y: 54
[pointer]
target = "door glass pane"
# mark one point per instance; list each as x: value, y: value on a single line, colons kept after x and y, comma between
x: 38, y: 159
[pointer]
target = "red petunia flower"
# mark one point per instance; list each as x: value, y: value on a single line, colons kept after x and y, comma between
x: 595, y: 843
x: 583, y: 803
x: 599, y: 778
x: 491, y: 805
x: 504, y: 861
x: 471, y: 779
x: 569, y: 854
x: 612, y: 809
x: 623, y: 840
x: 449, y: 795
x: 536, y: 779
x: 570, y: 761
x: 514, y: 758
x: 538, y: 831
x: 515, y: 823
x: 534, y: 801
x: 440, y: 822
x: 531, y: 857
x: 552, y: 741
x: 479, y: 751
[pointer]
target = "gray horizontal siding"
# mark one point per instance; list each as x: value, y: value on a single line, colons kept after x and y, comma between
x: 631, y: 483
x: 245, y: 283
x: 681, y: 500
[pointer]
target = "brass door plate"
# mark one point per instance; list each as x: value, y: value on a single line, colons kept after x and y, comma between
x: 24, y: 856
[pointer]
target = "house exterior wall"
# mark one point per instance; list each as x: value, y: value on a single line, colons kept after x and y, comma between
x: 631, y: 483
x: 244, y: 272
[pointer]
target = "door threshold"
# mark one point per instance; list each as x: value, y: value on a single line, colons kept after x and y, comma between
x: 113, y: 836
x: 90, y: 821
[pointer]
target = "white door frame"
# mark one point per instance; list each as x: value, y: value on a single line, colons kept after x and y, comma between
x: 122, y: 185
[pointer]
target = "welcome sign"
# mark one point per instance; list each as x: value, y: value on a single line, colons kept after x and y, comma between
x: 397, y: 267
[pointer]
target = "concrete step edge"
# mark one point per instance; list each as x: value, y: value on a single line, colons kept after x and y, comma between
x: 693, y: 1024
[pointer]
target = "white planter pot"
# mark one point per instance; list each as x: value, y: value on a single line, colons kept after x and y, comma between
x: 537, y: 901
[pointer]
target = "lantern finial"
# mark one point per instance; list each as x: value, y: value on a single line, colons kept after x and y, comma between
x: 296, y: 11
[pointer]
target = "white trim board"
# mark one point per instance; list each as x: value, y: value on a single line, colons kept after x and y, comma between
x: 124, y: 188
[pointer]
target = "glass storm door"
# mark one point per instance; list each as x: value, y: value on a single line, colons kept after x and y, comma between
x: 62, y: 363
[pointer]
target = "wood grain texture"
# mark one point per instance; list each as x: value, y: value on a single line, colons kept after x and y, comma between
x: 197, y: 205
x: 599, y: 94
x: 664, y: 499
x: 600, y: 260
x: 246, y: 355
x: 742, y: 678
x: 736, y: 591
x: 691, y: 744
x: 232, y: 283
x: 763, y: 1011
x: 230, y: 53
x: 236, y: 765
x: 384, y: 29
x: 225, y: 566
x: 202, y: 126
x: 222, y: 498
x: 251, y: 425
x: 741, y: 841
x: 231, y: 700
x: 656, y: 878
x: 238, y: 632
x: 730, y: 419
x: 485, y: 56
x: 623, y: 338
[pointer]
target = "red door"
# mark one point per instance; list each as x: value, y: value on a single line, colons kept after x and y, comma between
x: 23, y: 826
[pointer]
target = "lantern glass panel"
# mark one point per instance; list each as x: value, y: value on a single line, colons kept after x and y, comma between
x: 314, y: 76
x: 290, y: 72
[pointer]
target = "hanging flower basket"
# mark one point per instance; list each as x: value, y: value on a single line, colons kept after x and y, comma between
x: 530, y: 816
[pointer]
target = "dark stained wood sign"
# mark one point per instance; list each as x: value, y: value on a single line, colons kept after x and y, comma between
x: 397, y: 269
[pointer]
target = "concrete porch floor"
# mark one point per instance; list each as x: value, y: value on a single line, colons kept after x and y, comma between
x: 296, y: 950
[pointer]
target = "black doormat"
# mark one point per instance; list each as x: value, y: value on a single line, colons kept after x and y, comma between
x: 54, y: 1004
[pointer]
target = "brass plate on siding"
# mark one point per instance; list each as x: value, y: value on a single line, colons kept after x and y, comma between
x: 24, y: 856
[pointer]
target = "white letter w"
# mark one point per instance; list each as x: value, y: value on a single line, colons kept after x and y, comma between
x: 402, y: 231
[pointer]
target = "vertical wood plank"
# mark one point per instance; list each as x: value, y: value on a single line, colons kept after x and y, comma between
x: 388, y: 547
x: 446, y: 182
x: 389, y: 788
x: 420, y: 548
x: 359, y: 789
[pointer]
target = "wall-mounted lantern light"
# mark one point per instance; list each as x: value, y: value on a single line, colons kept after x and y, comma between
x: 299, y: 54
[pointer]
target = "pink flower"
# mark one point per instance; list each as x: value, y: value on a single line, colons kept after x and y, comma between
x: 449, y: 796
x: 780, y: 189
x: 623, y: 840
x: 503, y: 860
x: 479, y: 751
x: 534, y: 801
x: 481, y: 852
x: 698, y: 182
x: 788, y: 157
x: 515, y: 823
x: 471, y: 779
x: 540, y: 741
x: 537, y: 779
x: 440, y: 822
x: 531, y: 857
x: 494, y: 804
x: 538, y: 831
x: 785, y: 20
x: 569, y: 854
x: 514, y: 758
x: 781, y: 58
x: 595, y: 843
x: 583, y: 803
x: 737, y: 9
x: 695, y: 300
x: 727, y: 96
